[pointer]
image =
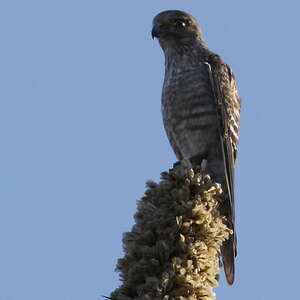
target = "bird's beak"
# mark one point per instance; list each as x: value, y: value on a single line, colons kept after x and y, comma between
x: 155, y: 31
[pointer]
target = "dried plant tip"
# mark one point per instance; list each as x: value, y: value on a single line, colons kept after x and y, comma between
x: 173, y: 250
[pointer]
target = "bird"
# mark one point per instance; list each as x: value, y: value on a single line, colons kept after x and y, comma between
x: 201, y: 110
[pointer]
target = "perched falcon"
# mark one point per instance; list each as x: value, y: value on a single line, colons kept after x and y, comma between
x: 201, y: 109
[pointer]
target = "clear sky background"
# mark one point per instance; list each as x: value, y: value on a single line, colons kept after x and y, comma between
x: 81, y: 132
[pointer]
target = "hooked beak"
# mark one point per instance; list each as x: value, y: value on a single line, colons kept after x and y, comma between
x: 155, y: 31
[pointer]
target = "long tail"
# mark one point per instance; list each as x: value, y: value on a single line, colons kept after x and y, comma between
x: 228, y: 251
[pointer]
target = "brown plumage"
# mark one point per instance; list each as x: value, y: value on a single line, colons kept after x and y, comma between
x: 201, y: 109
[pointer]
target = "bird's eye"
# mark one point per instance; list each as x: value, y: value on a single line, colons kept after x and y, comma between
x: 180, y: 23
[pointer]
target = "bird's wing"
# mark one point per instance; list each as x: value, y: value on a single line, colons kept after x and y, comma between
x: 228, y: 111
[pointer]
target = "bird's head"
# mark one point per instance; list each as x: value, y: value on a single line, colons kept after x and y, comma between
x: 175, y: 27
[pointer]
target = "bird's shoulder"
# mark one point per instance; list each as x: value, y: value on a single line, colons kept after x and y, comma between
x: 225, y: 82
x: 228, y: 100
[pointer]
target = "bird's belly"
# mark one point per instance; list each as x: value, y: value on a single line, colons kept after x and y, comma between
x: 194, y: 137
x: 190, y: 119
x: 196, y: 143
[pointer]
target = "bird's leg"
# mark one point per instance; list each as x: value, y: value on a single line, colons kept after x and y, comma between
x: 199, y: 163
x: 203, y: 166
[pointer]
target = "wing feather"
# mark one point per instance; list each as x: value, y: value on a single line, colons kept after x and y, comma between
x: 228, y: 113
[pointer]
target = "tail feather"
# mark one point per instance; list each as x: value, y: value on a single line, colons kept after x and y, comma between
x: 228, y: 251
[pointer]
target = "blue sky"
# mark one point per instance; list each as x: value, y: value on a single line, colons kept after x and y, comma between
x: 81, y: 132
